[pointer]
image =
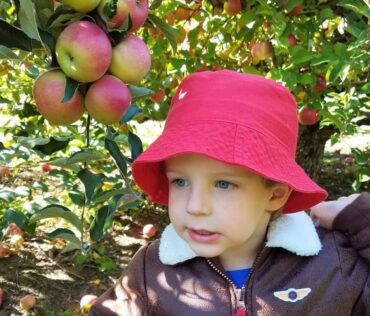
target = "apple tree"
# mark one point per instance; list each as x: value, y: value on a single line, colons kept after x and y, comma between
x: 318, y: 49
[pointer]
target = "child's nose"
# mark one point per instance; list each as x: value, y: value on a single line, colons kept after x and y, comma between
x: 198, y: 204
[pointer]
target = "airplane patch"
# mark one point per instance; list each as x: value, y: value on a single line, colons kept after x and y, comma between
x: 292, y: 295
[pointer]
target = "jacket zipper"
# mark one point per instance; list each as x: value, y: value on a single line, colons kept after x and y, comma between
x: 240, y: 293
x: 259, y: 255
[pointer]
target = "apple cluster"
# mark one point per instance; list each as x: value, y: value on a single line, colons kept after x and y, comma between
x: 86, y: 54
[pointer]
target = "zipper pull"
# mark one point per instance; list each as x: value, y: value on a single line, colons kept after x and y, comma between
x: 241, y: 310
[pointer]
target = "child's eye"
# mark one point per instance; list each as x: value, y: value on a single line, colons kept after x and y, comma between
x: 224, y: 184
x: 179, y: 182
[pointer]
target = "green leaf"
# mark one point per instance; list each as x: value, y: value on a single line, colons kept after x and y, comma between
x: 84, y: 155
x: 131, y: 112
x: 136, y: 145
x: 91, y: 181
x: 45, y: 145
x: 103, y: 219
x: 7, y: 53
x: 70, y: 247
x: 32, y: 142
x: 116, y: 154
x: 139, y: 92
x: 109, y: 10
x: 323, y: 59
x: 155, y: 4
x: 17, y: 217
x: 103, y: 196
x: 70, y: 89
x: 339, y: 69
x: 97, y: 226
x: 59, y: 211
x: 76, y: 197
x: 12, y: 37
x: 27, y: 19
x: 353, y: 30
x: 29, y: 110
x: 357, y: 6
x: 168, y: 31
x: 300, y: 55
x: 63, y: 16
x: 53, y: 145
x: 65, y: 234
x: 292, y: 4
x: 7, y: 195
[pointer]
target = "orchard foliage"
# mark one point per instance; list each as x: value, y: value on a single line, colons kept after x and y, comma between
x: 318, y: 49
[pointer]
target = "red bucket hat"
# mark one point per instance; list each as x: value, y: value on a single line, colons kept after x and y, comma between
x: 240, y: 119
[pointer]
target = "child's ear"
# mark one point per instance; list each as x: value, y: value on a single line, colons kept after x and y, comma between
x: 279, y: 195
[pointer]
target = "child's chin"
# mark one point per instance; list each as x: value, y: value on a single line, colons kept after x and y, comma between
x: 205, y: 251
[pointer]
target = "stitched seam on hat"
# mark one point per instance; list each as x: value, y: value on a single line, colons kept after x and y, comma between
x: 236, y: 132
x: 239, y: 124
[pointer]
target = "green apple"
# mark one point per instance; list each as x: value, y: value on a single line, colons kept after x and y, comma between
x: 48, y: 93
x: 83, y: 6
x: 83, y: 51
x: 131, y: 59
x: 107, y: 100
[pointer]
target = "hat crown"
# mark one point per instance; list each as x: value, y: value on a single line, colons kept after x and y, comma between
x: 248, y: 100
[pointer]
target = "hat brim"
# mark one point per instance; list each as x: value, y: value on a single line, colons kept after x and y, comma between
x: 229, y: 143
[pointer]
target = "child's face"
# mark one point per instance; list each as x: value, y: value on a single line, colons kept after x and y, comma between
x: 219, y: 209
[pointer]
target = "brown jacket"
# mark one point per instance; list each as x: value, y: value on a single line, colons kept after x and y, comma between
x: 300, y: 271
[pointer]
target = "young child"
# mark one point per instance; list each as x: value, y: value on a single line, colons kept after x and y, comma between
x: 240, y: 242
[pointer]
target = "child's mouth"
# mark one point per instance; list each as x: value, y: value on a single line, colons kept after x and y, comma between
x: 202, y: 235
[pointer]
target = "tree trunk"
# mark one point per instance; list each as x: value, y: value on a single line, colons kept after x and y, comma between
x: 311, y: 146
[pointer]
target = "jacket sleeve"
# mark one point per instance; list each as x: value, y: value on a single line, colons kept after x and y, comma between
x: 128, y: 295
x: 354, y: 222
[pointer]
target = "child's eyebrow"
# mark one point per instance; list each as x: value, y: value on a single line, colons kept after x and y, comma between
x: 215, y: 174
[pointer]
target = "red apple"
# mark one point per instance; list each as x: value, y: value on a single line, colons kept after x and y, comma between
x: 4, y: 251
x: 131, y: 59
x: 136, y: 9
x: 320, y: 83
x: 107, y: 100
x: 292, y: 40
x: 46, y: 167
x: 232, y: 7
x: 296, y: 10
x: 87, y: 301
x: 16, y: 241
x: 260, y: 51
x: 81, y: 6
x: 48, y: 92
x: 4, y: 171
x: 149, y: 230
x: 170, y: 17
x: 308, y: 116
x: 13, y: 229
x: 27, y: 302
x: 349, y: 160
x: 180, y: 35
x: 266, y: 24
x: 159, y: 95
x: 83, y: 51
x: 182, y: 13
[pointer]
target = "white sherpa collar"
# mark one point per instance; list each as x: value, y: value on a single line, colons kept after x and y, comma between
x: 293, y: 232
